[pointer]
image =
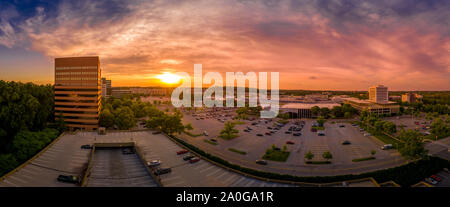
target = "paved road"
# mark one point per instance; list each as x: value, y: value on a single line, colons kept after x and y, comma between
x: 439, y: 148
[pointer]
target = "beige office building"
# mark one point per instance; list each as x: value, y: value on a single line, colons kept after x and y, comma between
x: 78, y: 91
x: 378, y: 94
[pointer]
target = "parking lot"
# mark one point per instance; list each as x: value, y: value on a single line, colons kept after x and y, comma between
x: 420, y: 124
x: 255, y: 146
x: 112, y: 168
x: 64, y: 157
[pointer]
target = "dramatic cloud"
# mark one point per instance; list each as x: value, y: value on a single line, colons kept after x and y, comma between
x: 319, y: 44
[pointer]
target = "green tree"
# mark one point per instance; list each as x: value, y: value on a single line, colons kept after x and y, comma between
x: 106, y: 118
x: 327, y: 155
x: 229, y: 132
x: 309, y: 155
x: 7, y: 163
x: 347, y: 115
x: 321, y: 121
x: 439, y: 128
x: 413, y: 146
x: 373, y: 152
x: 389, y: 127
x: 315, y: 110
x: 60, y: 123
x: 124, y: 118
x: 188, y: 127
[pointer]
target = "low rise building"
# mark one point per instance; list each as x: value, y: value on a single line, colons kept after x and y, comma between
x: 380, y: 108
x: 303, y: 110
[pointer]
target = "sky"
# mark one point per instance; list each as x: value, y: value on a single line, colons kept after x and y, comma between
x: 313, y: 44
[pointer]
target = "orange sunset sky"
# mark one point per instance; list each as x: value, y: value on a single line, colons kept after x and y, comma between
x: 314, y: 44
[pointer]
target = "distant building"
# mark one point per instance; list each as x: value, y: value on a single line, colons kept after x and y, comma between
x: 383, y: 108
x: 395, y: 98
x: 152, y: 91
x: 409, y: 97
x: 303, y: 110
x: 316, y: 97
x: 118, y: 93
x: 378, y: 94
x: 378, y: 102
x: 78, y: 91
x: 106, y: 87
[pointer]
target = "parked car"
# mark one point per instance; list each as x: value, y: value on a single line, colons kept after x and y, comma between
x: 436, y: 178
x: 321, y: 133
x: 261, y: 162
x: 188, y: 157
x: 86, y: 146
x: 367, y: 134
x: 246, y: 130
x: 269, y: 127
x: 290, y: 142
x: 277, y: 148
x: 161, y: 171
x: 213, y: 140
x: 128, y: 151
x: 259, y: 135
x: 431, y: 181
x: 354, y: 124
x: 154, y: 163
x: 182, y: 151
x: 346, y: 142
x: 69, y: 179
x: 297, y: 134
x: 288, y: 132
x: 194, y: 160
x: 268, y: 133
x: 205, y: 133
x: 341, y: 126
x: 386, y: 147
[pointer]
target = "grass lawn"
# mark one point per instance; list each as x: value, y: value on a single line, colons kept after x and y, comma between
x: 228, y: 137
x: 209, y: 142
x: 192, y: 135
x: 318, y: 127
x: 237, y: 151
x: 276, y: 155
x: 363, y: 159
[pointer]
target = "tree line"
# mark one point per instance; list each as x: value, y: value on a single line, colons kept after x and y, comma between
x: 26, y: 122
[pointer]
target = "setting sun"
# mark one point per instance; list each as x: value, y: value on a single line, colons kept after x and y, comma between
x: 169, y: 78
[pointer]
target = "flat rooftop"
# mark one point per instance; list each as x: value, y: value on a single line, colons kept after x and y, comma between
x: 308, y: 105
x: 366, y: 101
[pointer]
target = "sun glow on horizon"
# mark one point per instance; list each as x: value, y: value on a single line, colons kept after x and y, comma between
x: 169, y: 78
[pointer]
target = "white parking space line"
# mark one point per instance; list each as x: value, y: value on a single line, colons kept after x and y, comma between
x: 221, y: 175
x: 14, y: 178
x: 206, y: 169
x: 176, y: 184
x: 249, y: 183
x: 25, y: 170
x: 210, y: 174
x: 240, y: 181
x: 10, y: 183
x: 204, y: 164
